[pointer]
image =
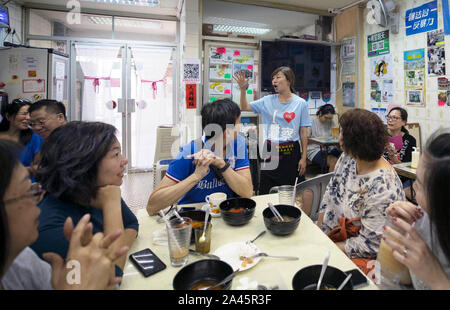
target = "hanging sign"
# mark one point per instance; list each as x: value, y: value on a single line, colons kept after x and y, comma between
x: 191, y: 96
x: 421, y: 19
x: 378, y: 43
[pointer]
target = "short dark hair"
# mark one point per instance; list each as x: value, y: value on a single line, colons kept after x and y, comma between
x: 403, y: 115
x: 12, y: 109
x: 436, y: 184
x: 288, y: 73
x: 70, y: 157
x: 364, y: 134
x: 325, y: 109
x: 52, y: 106
x: 220, y: 112
x: 9, y: 160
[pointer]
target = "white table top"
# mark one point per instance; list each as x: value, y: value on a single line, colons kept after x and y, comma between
x: 308, y: 242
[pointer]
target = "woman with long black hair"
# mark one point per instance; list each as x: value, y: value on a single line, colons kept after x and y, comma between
x: 15, y: 126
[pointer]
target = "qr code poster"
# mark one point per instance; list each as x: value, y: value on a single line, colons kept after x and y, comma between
x: 191, y: 71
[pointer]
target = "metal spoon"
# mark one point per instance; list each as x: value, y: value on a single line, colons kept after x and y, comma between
x: 345, y: 282
x: 203, y: 237
x: 322, y: 272
x: 231, y: 276
x: 267, y: 255
x: 212, y: 256
x: 259, y: 235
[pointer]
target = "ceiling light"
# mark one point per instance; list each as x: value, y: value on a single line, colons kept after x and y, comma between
x: 240, y: 29
x: 122, y: 22
x: 150, y: 3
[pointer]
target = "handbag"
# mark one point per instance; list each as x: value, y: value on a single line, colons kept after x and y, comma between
x: 347, y: 229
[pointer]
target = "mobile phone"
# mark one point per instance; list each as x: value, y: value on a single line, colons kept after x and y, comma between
x: 184, y: 209
x: 358, y: 278
x: 147, y: 262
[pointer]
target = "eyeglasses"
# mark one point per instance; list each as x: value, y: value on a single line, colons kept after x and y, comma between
x: 20, y: 101
x: 35, y: 193
x: 394, y: 118
x: 40, y: 122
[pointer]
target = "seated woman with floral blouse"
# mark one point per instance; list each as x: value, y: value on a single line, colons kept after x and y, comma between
x: 363, y: 186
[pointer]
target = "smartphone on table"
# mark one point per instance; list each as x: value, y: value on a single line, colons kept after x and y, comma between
x: 358, y: 278
x: 147, y: 262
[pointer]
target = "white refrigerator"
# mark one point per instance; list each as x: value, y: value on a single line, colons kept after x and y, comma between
x: 35, y: 73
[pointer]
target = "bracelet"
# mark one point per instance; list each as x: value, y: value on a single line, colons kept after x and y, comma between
x: 221, y: 170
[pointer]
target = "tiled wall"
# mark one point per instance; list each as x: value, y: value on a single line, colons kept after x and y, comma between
x: 430, y: 117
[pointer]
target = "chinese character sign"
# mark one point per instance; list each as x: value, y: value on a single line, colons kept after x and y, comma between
x: 191, y: 96
x: 422, y: 18
x: 378, y: 43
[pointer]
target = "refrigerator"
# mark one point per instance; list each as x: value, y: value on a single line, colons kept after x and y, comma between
x: 221, y: 61
x: 35, y: 73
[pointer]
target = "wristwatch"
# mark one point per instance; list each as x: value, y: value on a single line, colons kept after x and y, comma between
x: 221, y: 170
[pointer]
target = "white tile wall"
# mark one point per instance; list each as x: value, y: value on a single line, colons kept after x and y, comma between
x: 430, y: 117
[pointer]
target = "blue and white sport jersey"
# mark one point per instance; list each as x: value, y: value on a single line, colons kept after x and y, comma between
x: 282, y: 120
x: 182, y: 167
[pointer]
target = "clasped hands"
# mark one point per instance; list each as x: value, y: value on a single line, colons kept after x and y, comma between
x: 203, y: 159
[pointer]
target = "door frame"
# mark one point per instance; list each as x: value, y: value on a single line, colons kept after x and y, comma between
x: 126, y: 87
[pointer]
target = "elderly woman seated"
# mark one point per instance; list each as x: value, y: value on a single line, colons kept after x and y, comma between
x: 218, y: 162
x: 363, y: 186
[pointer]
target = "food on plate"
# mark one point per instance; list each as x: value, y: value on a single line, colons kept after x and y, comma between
x: 246, y: 261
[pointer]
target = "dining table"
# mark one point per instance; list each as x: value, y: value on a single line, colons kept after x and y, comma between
x: 307, y: 242
x: 324, y: 143
x: 404, y: 169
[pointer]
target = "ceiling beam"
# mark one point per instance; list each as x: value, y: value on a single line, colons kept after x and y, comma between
x: 288, y: 7
x: 52, y: 7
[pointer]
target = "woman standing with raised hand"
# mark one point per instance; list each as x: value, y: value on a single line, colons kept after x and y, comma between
x: 286, y: 120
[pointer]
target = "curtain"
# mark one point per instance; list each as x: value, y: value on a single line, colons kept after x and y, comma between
x: 153, y: 101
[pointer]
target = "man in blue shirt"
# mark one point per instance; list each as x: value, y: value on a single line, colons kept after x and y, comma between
x: 218, y: 162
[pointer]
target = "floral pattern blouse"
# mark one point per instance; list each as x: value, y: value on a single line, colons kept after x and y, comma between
x: 367, y: 196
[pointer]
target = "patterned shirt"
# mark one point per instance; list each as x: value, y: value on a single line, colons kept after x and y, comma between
x: 367, y: 196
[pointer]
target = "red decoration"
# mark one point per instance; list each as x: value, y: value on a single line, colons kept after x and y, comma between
x: 289, y: 116
x: 221, y: 50
x: 191, y: 96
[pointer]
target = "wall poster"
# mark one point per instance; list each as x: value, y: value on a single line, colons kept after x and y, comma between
x: 436, y: 52
x: 415, y: 77
x: 381, y: 79
x: 378, y: 44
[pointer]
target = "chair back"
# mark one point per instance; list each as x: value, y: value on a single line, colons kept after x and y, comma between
x: 318, y: 186
x: 414, y: 130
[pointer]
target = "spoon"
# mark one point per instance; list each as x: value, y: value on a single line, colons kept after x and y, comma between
x: 295, y: 186
x: 322, y: 272
x: 267, y: 255
x: 275, y: 212
x: 259, y: 235
x: 178, y: 216
x: 231, y: 276
x: 212, y: 256
x: 203, y: 237
x: 345, y: 282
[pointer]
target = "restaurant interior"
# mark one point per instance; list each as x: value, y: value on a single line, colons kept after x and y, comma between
x: 149, y: 67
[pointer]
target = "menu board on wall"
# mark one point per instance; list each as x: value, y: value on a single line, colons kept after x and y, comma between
x: 224, y: 63
x: 415, y: 77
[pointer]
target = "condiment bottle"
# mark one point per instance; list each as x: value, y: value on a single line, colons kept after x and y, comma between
x: 415, y: 158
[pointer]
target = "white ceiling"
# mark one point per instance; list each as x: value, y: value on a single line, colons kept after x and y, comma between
x: 170, y: 7
x: 167, y: 7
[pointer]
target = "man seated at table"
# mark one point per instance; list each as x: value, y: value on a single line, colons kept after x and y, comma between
x: 200, y: 168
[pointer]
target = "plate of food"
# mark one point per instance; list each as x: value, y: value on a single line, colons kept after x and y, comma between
x: 238, y: 254
x: 215, y: 212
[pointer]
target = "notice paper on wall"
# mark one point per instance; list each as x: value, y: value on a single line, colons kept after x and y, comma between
x: 348, y: 94
x: 414, y: 66
x: 443, y: 92
x: 436, y: 52
x: 381, y: 79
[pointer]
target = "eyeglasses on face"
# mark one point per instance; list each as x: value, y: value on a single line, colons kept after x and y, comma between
x: 393, y: 118
x: 35, y: 193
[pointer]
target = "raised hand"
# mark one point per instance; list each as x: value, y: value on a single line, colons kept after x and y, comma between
x: 239, y: 77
